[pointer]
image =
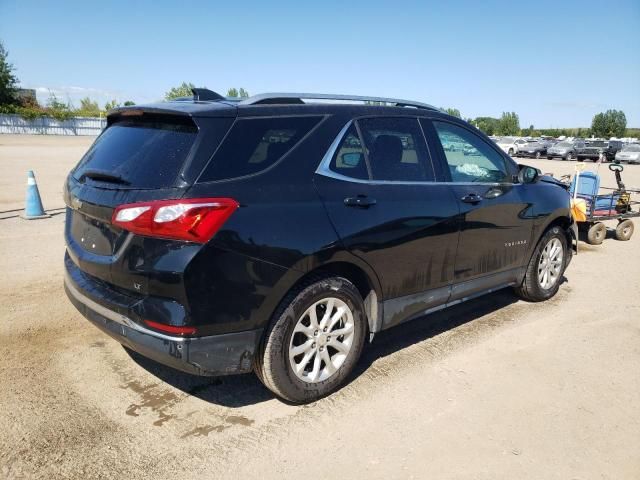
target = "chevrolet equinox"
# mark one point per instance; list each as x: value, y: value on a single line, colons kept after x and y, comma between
x: 277, y: 233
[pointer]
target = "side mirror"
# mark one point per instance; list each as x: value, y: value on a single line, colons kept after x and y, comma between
x: 351, y: 159
x: 528, y: 174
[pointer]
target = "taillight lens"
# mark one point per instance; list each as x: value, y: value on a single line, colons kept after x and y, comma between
x: 193, y: 219
x: 171, y: 329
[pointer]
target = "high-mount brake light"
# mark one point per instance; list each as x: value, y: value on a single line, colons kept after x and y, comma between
x: 193, y: 219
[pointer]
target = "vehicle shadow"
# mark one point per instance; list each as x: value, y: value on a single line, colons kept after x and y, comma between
x: 242, y: 390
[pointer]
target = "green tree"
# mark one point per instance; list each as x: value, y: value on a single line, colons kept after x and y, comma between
x: 509, y: 124
x: 88, y: 108
x: 235, y: 93
x: 111, y: 105
x: 488, y: 125
x: 183, y: 90
x: 454, y: 112
x: 58, y: 109
x: 8, y: 81
x: 128, y: 103
x: 612, y: 123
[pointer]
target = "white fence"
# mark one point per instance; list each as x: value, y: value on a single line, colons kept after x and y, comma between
x: 51, y: 126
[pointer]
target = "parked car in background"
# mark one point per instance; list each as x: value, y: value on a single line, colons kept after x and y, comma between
x: 564, y: 150
x: 507, y: 144
x: 510, y: 145
x: 603, y: 150
x: 534, y: 149
x: 470, y: 150
x: 630, y: 153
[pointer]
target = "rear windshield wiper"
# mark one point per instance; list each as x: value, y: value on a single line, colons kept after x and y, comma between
x: 103, y: 176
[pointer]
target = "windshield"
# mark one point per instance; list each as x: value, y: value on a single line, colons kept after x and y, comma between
x: 631, y: 148
x: 564, y: 144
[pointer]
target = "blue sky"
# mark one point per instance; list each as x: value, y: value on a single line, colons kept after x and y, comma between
x: 555, y: 63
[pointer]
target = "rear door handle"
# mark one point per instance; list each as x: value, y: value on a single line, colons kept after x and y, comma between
x: 361, y: 201
x: 472, y: 198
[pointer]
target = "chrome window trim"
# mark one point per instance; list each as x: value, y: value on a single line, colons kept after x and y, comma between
x: 325, y: 170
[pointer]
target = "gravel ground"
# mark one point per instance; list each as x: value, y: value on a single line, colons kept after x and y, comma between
x: 495, y: 388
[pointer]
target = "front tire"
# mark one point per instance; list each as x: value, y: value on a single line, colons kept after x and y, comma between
x: 538, y: 155
x: 569, y: 156
x: 314, y: 341
x: 546, y: 267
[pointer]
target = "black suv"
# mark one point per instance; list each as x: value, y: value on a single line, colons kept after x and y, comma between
x: 602, y: 150
x: 278, y: 233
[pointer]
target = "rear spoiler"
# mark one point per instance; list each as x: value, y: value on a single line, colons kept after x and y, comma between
x: 149, y: 114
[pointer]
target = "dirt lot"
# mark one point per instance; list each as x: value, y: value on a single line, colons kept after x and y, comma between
x: 495, y: 388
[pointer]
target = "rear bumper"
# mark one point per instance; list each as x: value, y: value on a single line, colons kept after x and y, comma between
x: 210, y: 356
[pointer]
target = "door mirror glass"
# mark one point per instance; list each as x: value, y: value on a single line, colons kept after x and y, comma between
x: 528, y: 174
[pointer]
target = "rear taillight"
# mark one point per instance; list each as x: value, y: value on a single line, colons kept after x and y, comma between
x: 171, y: 328
x: 193, y: 219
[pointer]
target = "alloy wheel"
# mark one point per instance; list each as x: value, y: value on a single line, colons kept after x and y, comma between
x: 550, y: 264
x: 322, y: 339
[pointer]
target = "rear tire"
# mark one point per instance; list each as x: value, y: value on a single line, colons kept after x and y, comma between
x: 596, y: 233
x: 549, y: 158
x: 569, y: 156
x: 511, y: 152
x: 306, y: 376
x: 624, y: 230
x: 546, y: 267
x: 538, y: 155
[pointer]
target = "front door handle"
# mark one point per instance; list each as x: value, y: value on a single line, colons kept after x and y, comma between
x: 361, y: 201
x: 472, y: 198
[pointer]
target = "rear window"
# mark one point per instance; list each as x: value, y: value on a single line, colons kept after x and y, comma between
x: 255, y: 144
x: 141, y: 154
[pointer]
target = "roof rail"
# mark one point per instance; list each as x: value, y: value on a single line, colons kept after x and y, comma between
x: 297, y: 98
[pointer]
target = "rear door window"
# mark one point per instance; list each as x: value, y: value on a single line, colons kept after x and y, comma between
x: 255, y: 144
x: 141, y: 154
x: 396, y: 149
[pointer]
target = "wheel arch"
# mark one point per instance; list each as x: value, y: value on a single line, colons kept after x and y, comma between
x: 361, y: 276
x: 568, y: 226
